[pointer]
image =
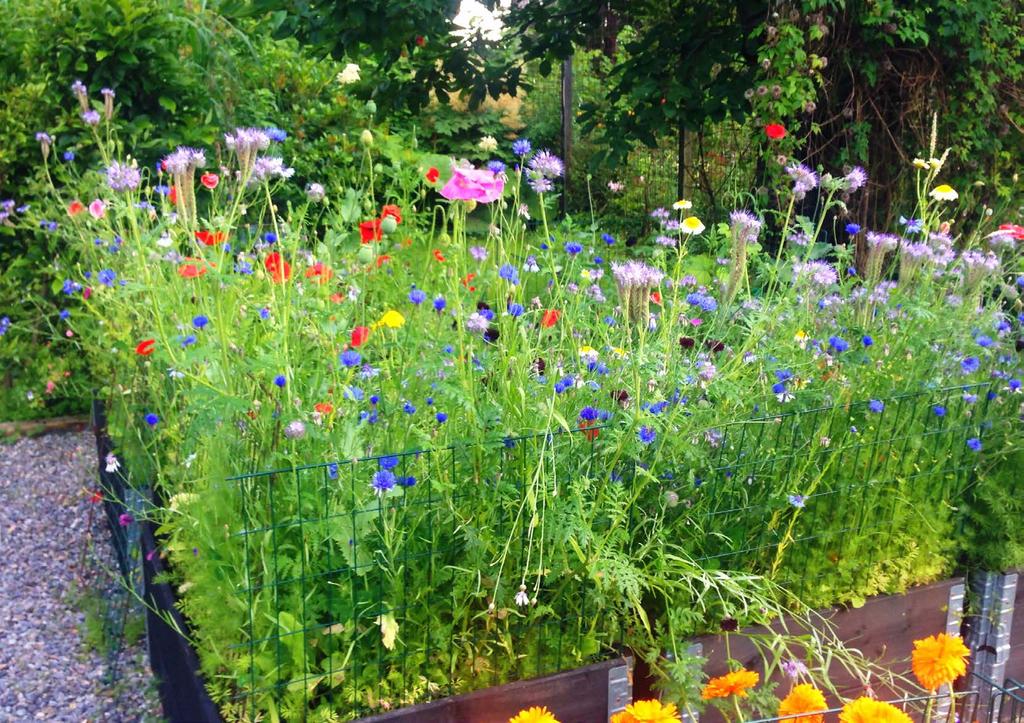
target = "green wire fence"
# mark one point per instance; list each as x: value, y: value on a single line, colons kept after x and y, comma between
x: 532, y: 549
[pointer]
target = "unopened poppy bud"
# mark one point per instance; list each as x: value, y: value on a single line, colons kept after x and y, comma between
x: 388, y: 224
x: 366, y: 138
x: 365, y: 254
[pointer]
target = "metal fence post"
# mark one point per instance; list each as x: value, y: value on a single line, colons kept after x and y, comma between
x: 987, y: 631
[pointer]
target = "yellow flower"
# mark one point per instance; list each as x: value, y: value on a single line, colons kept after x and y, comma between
x: 392, y: 319
x: 935, y: 163
x: 682, y: 205
x: 648, y: 711
x: 692, y: 225
x: 534, y: 715
x: 944, y: 193
x: 867, y: 710
x: 619, y: 350
x: 585, y: 274
x: 803, y: 698
x: 939, y: 659
x: 735, y: 683
x: 586, y: 350
x: 921, y: 163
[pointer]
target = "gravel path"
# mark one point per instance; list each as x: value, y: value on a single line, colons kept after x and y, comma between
x: 56, y: 588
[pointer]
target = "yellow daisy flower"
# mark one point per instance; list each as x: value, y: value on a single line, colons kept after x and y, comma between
x: 692, y: 225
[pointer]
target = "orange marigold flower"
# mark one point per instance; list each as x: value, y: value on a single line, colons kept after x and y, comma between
x: 868, y: 710
x: 734, y: 683
x: 804, y: 698
x: 939, y: 659
x: 648, y: 711
x: 535, y: 714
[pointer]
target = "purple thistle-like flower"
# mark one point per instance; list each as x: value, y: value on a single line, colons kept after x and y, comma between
x: 636, y: 273
x: 91, y: 117
x: 123, y: 177
x: 816, y: 273
x: 855, y: 180
x: 477, y: 323
x: 665, y: 241
x: 268, y: 167
x: 804, y: 179
x: 541, y: 184
x: 247, y: 140
x: 547, y: 164
x: 315, y: 192
x: 884, y: 241
x: 479, y: 253
x: 746, y: 227
x: 184, y: 160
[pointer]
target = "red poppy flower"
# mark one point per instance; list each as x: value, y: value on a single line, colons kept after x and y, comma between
x: 359, y: 335
x: 438, y: 255
x: 210, y: 180
x: 466, y: 279
x: 590, y: 434
x: 96, y: 497
x: 370, y: 231
x: 193, y: 268
x: 323, y: 407
x: 421, y: 41
x: 656, y: 297
x: 210, y: 238
x: 173, y: 195
x: 432, y: 175
x: 75, y: 208
x: 145, y: 347
x: 1017, y: 231
x: 775, y: 131
x: 320, y: 272
x: 279, y: 269
x: 393, y: 211
x: 337, y: 298
x: 550, y: 318
x: 382, y: 259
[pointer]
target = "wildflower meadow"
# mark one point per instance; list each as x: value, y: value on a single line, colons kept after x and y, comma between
x: 417, y: 431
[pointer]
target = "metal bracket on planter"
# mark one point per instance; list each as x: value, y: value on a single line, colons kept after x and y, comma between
x: 620, y: 687
x: 988, y: 631
x: 696, y: 650
x: 954, y: 621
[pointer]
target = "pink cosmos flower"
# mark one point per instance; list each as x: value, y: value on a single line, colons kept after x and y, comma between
x: 98, y: 209
x: 471, y: 184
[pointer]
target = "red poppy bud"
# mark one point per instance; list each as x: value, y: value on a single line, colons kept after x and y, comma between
x: 775, y: 131
x: 279, y: 269
x: 75, y: 208
x: 432, y: 175
x: 210, y: 180
x: 145, y: 347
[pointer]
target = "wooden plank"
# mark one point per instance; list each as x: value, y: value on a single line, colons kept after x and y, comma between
x: 575, y: 696
x: 883, y: 630
x: 35, y: 427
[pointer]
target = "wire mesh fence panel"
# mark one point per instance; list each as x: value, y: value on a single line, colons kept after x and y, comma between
x: 390, y: 580
x: 358, y: 572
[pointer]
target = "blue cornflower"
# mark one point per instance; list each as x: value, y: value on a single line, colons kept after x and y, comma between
x: 914, y: 225
x: 598, y: 260
x: 264, y: 313
x: 564, y: 384
x: 797, y: 501
x: 783, y: 375
x: 383, y: 480
x: 646, y: 435
x: 852, y: 229
x: 779, y: 388
x: 495, y: 167
x: 69, y: 156
x: 200, y: 321
x: 408, y: 408
x: 487, y: 314
x: 243, y: 267
x: 974, y: 444
x: 417, y: 296
x: 572, y: 248
x: 64, y: 314
x: 448, y: 349
x: 588, y: 414
x: 984, y: 341
x: 270, y: 237
x: 509, y: 273
x: 608, y: 238
x: 332, y: 470
x: 280, y: 380
x: 514, y: 309
x: 350, y: 358
x: 970, y: 364
x: 388, y: 462
x: 71, y: 287
x: 439, y: 303
x: 106, y: 277
x: 1014, y: 385
x: 939, y: 410
x: 187, y: 341
x: 441, y: 417
x: 609, y: 320
x: 521, y: 147
x: 876, y: 406
x: 867, y: 340
x: 838, y: 344
x: 407, y: 481
x: 374, y: 399
x: 429, y: 401
x: 275, y: 134
x: 152, y: 420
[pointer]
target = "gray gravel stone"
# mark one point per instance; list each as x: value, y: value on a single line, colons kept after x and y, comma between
x: 55, y: 557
